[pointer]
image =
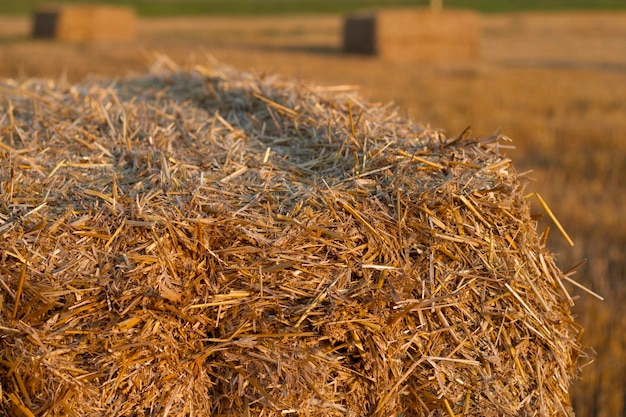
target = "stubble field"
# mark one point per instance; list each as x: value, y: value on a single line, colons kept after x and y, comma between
x: 554, y: 83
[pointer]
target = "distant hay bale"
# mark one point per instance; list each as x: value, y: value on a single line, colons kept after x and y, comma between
x: 414, y: 34
x: 85, y: 23
x: 359, y: 34
x: 213, y: 243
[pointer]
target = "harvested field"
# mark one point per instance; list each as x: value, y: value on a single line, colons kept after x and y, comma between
x: 554, y: 82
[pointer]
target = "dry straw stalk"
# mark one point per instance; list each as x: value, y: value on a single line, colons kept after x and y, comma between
x: 215, y: 243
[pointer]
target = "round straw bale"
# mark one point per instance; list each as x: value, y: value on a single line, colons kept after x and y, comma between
x: 216, y: 243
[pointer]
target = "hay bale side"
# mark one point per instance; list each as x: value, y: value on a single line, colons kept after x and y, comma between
x: 415, y: 35
x: 215, y: 243
x: 45, y: 23
x: 85, y: 23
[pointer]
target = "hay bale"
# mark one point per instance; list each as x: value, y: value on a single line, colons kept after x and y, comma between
x: 414, y: 35
x: 359, y: 34
x: 85, y: 23
x: 213, y: 243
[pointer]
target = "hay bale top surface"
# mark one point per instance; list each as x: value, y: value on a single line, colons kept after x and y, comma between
x: 216, y: 243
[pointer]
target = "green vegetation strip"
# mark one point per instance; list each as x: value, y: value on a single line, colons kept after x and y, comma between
x: 248, y: 7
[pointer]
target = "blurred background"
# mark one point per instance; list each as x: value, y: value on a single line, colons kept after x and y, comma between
x: 549, y: 74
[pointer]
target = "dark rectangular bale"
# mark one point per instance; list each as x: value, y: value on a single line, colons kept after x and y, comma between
x: 359, y: 34
x: 44, y: 23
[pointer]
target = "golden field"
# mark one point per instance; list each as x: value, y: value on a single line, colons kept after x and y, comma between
x: 554, y: 83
